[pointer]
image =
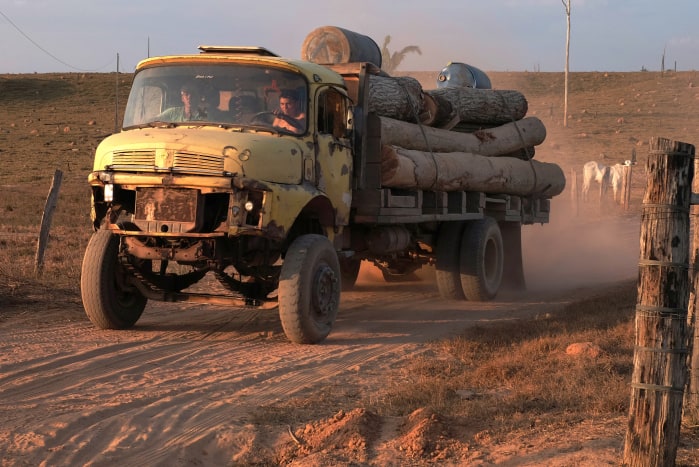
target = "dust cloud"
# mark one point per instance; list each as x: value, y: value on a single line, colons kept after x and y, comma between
x: 569, y: 252
x: 581, y: 250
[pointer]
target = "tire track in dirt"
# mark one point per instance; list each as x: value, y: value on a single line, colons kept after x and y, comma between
x: 171, y: 361
x: 186, y: 380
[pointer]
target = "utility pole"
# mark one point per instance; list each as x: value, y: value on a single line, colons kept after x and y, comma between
x: 566, y: 4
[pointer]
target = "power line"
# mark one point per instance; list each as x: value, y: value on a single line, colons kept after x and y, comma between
x: 46, y: 51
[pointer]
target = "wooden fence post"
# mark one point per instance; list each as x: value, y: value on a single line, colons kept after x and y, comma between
x: 49, y: 208
x: 574, y: 196
x: 691, y: 397
x: 659, y: 374
x: 626, y: 187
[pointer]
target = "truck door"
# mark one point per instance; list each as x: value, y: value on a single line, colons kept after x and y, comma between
x: 334, y: 151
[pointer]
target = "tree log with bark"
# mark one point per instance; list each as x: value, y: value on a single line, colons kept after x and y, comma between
x: 505, y: 139
x: 400, y: 97
x: 460, y: 171
x: 483, y: 106
x: 438, y: 112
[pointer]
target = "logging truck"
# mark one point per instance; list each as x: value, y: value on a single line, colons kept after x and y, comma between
x: 202, y: 197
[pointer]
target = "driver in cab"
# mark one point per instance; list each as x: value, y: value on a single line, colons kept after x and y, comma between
x: 290, y: 116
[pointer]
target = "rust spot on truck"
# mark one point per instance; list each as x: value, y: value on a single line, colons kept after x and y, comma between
x: 243, y: 183
x: 275, y: 231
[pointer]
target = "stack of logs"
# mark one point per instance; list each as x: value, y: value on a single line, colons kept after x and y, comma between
x: 459, y: 138
x: 448, y: 139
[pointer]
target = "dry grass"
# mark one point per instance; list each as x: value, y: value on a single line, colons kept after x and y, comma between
x: 516, y: 374
x: 50, y: 122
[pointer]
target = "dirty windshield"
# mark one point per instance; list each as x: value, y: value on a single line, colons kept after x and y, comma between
x: 230, y: 94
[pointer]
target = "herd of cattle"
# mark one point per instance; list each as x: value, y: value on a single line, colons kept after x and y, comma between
x: 605, y: 176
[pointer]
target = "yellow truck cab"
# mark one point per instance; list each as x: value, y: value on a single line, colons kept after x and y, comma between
x: 218, y: 186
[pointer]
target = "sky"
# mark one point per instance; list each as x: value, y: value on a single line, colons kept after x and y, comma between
x: 494, y: 35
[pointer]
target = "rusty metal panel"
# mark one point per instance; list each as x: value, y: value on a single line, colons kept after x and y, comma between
x: 167, y: 209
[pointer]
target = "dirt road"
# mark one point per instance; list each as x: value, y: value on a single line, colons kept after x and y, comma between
x: 183, y: 387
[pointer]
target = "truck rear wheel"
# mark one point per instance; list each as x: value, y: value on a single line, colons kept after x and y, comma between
x: 108, y: 301
x: 309, y: 289
x: 447, y: 270
x: 481, y: 258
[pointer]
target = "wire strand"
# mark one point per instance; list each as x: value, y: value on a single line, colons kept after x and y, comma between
x: 26, y: 36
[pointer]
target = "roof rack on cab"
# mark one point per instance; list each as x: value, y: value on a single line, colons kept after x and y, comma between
x: 228, y: 49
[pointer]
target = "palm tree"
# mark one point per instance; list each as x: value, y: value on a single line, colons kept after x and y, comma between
x: 391, y: 61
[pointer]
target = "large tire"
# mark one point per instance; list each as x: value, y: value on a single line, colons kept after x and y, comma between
x: 309, y: 289
x: 482, y: 258
x: 447, y: 268
x: 108, y: 301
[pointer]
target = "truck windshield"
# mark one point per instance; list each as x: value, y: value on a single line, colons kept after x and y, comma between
x: 228, y: 94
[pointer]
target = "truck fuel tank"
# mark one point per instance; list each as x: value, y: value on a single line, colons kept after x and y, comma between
x: 388, y: 239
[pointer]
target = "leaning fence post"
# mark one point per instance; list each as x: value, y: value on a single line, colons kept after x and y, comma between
x: 659, y: 374
x: 49, y: 208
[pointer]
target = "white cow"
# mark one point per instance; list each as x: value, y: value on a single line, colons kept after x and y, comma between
x: 597, y: 172
x: 616, y: 179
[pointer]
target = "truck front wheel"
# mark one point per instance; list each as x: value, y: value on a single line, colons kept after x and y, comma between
x: 109, y: 301
x: 481, y: 259
x: 309, y: 289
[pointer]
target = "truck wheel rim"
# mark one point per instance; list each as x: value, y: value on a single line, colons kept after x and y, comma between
x: 324, y: 291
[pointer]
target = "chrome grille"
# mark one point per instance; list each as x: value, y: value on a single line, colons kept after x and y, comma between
x: 134, y: 160
x: 197, y: 163
x: 183, y: 162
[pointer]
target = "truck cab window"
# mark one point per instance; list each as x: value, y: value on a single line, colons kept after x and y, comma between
x: 239, y: 94
x: 332, y: 110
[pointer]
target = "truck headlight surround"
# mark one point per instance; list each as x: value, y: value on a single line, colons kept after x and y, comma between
x: 108, y: 192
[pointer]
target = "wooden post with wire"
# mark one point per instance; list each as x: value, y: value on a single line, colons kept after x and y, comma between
x: 626, y: 186
x: 660, y: 354
x: 46, y: 218
x: 628, y: 175
x: 691, y: 396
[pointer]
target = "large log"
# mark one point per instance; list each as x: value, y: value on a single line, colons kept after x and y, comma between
x: 399, y: 97
x: 332, y: 45
x: 484, y: 106
x: 502, y: 140
x: 438, y: 112
x: 459, y: 171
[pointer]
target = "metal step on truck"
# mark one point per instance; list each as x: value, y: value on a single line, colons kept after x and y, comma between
x: 262, y: 175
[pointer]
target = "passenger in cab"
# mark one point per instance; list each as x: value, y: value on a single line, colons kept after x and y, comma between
x: 189, y: 109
